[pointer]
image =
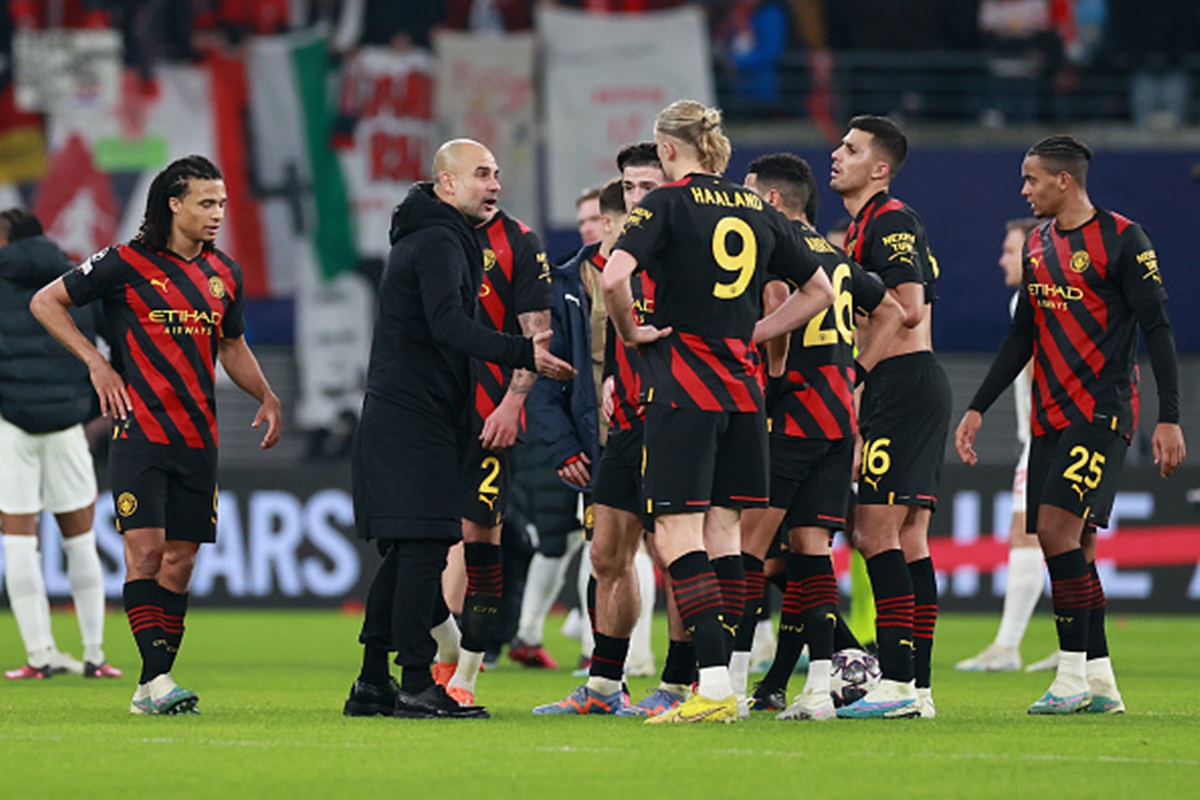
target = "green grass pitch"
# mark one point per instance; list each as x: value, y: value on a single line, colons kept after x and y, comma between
x: 272, y: 686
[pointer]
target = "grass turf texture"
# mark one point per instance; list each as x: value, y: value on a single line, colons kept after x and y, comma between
x: 272, y: 686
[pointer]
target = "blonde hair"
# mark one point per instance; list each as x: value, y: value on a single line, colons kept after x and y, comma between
x: 697, y: 125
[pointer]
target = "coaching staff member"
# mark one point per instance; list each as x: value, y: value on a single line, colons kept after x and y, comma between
x: 414, y: 429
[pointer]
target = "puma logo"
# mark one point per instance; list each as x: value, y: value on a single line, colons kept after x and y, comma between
x: 162, y: 285
x: 873, y: 481
x: 907, y: 643
x: 1081, y: 492
x: 491, y: 501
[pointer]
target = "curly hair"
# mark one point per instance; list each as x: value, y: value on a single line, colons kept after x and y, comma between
x: 174, y: 181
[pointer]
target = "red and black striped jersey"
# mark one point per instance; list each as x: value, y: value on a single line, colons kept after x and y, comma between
x: 709, y: 245
x: 166, y: 317
x: 623, y: 363
x: 516, y: 280
x: 1084, y: 287
x: 888, y: 238
x: 818, y: 402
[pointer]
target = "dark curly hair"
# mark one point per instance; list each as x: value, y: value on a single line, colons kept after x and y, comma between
x: 173, y: 181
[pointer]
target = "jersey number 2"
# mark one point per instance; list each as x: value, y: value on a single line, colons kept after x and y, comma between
x: 815, y: 332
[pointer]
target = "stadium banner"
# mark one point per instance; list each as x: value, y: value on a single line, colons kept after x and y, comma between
x: 58, y: 69
x: 484, y: 91
x: 307, y: 213
x: 384, y: 135
x: 285, y: 538
x: 605, y: 78
x: 102, y: 160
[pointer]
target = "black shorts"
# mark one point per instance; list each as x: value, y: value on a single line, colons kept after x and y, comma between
x: 904, y: 419
x: 618, y: 482
x: 488, y: 478
x: 699, y: 459
x: 811, y: 479
x: 1075, y: 469
x: 165, y: 486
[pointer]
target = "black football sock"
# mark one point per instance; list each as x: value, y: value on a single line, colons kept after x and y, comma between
x: 731, y: 578
x: 174, y: 606
x: 680, y: 667
x: 755, y: 602
x: 819, y: 605
x: 698, y: 596
x: 591, y: 602
x: 843, y: 637
x: 892, y: 585
x: 925, y: 610
x: 142, y: 607
x: 1071, y: 594
x: 485, y: 586
x: 1097, y: 644
x: 608, y: 657
x: 792, y: 636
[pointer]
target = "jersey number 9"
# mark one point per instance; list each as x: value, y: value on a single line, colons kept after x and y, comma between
x: 743, y: 263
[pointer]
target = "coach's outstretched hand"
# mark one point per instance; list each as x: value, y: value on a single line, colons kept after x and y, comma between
x: 964, y: 437
x: 1169, y: 447
x: 548, y: 364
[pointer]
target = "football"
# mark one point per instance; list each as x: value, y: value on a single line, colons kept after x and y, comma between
x: 853, y: 673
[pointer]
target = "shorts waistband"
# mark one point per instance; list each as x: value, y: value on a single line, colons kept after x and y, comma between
x: 904, y: 362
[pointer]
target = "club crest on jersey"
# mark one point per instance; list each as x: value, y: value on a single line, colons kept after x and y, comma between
x: 126, y: 504
x: 489, y: 258
x: 216, y: 287
x: 1080, y: 261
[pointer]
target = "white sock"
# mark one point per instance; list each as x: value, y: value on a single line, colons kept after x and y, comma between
x: 160, y: 685
x: 640, y: 648
x: 543, y: 582
x: 818, y: 677
x: 87, y: 590
x: 447, y: 636
x: 603, y: 686
x: 715, y: 683
x: 1025, y: 583
x: 1072, y: 674
x: 739, y: 672
x: 1099, y: 670
x: 27, y: 596
x: 587, y: 641
x: 467, y: 670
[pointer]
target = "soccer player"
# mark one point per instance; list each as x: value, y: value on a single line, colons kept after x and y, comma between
x: 1025, y: 579
x: 811, y: 420
x: 514, y: 298
x: 174, y: 303
x: 708, y: 244
x: 1090, y: 279
x: 414, y: 429
x: 903, y: 420
x: 45, y: 399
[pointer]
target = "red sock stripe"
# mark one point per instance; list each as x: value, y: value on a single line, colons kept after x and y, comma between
x: 172, y: 624
x: 1073, y: 593
x: 143, y: 617
x: 894, y: 612
x: 733, y: 596
x: 819, y: 590
x: 603, y: 660
x: 924, y: 621
x: 697, y: 594
x: 756, y: 584
x: 487, y: 580
x: 793, y: 598
x: 1098, y: 600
